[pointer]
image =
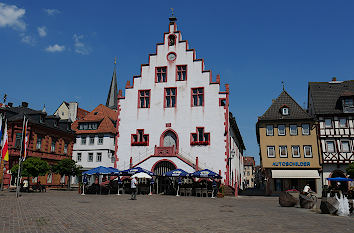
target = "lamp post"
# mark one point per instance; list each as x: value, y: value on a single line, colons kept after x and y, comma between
x: 2, y: 180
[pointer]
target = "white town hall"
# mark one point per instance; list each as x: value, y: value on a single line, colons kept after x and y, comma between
x: 175, y: 116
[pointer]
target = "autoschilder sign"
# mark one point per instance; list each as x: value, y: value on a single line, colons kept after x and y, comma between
x: 292, y: 164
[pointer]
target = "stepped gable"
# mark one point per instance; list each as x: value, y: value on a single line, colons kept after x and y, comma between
x: 285, y: 100
x: 326, y: 95
x: 105, y: 117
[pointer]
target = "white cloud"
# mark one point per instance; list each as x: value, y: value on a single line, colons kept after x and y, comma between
x: 80, y: 47
x: 52, y: 12
x: 27, y: 39
x: 55, y: 48
x: 42, y: 31
x: 11, y: 16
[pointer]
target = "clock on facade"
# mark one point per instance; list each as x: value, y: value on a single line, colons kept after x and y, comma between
x: 171, y: 56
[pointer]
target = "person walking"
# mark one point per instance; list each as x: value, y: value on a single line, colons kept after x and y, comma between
x: 133, y: 184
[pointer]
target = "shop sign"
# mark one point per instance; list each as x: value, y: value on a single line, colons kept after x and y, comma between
x: 291, y: 164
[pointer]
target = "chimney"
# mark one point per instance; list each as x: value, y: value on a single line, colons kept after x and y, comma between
x: 10, y: 104
x: 334, y: 79
x: 24, y: 104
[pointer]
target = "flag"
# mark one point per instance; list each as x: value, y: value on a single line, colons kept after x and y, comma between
x: 0, y: 127
x: 24, y: 139
x: 5, y: 145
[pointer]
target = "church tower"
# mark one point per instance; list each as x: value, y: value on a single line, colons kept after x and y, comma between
x: 112, y: 94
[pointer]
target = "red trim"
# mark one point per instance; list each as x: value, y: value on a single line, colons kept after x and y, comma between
x: 192, y: 103
x: 117, y: 134
x: 163, y: 135
x: 177, y: 156
x: 139, y: 140
x: 160, y: 67
x: 197, y: 163
x: 164, y: 97
x: 186, y: 70
x: 162, y: 160
x: 198, y: 142
x: 227, y: 139
x: 220, y: 100
x: 173, y: 59
x: 139, y: 95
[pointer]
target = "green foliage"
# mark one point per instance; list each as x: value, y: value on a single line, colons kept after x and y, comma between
x: 350, y: 170
x: 32, y: 167
x: 66, y: 167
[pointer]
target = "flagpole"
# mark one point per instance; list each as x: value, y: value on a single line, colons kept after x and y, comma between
x: 1, y: 157
x: 20, y: 160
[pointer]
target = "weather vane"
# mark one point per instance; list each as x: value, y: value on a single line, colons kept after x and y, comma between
x: 282, y: 82
x: 172, y: 13
x: 115, y: 60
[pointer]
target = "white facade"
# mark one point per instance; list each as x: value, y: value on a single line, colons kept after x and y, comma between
x: 101, y: 153
x: 165, y: 127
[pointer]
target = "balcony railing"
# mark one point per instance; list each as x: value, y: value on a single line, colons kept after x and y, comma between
x: 165, y: 151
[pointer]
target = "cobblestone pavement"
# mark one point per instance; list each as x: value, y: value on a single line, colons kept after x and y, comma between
x: 66, y: 211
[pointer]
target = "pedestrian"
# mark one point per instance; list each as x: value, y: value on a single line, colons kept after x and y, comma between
x: 133, y: 184
x: 25, y: 185
x: 307, y: 189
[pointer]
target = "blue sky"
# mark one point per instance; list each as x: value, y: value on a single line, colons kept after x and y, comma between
x: 52, y: 51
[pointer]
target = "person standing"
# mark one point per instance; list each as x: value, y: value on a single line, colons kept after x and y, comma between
x: 25, y: 186
x: 307, y: 189
x: 133, y: 184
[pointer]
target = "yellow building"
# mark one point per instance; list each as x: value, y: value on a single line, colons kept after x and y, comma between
x: 288, y: 143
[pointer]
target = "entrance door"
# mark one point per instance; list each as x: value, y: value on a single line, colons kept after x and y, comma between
x: 163, y: 184
x: 170, y: 139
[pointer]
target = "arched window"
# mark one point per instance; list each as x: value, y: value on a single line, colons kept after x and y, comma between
x: 171, y: 40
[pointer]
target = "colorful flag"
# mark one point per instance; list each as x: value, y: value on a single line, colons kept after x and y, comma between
x: 24, y: 139
x: 5, y: 145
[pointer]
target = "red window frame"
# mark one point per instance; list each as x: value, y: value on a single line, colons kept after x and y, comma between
x: 181, y: 69
x: 160, y: 71
x: 169, y: 97
x: 142, y: 94
x: 197, y: 95
x: 140, y: 139
x: 200, y: 137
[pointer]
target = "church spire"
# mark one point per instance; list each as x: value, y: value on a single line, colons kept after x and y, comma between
x: 112, y: 93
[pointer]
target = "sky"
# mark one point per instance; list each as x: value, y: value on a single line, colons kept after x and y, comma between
x: 54, y: 51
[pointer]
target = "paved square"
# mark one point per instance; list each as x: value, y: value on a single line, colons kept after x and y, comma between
x: 66, y: 211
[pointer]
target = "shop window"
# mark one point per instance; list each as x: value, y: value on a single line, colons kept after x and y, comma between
x: 170, y: 97
x: 140, y: 139
x: 200, y: 137
x: 181, y: 71
x: 144, y: 98
x: 197, y: 96
x: 161, y: 74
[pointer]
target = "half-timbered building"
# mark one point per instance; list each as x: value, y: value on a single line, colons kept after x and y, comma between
x: 332, y: 103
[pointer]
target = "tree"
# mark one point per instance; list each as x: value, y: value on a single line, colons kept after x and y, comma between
x: 66, y: 167
x: 350, y: 170
x: 32, y: 167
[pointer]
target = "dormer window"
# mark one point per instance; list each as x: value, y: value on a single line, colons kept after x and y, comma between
x: 285, y: 111
x: 348, y: 105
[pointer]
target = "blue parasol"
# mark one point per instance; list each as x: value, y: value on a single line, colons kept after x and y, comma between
x: 176, y: 172
x: 206, y: 173
x: 98, y: 170
x: 339, y: 179
x: 114, y: 171
x: 132, y: 171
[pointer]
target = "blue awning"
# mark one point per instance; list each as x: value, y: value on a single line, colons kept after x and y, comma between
x: 205, y: 173
x: 132, y: 171
x: 176, y: 172
x: 339, y: 179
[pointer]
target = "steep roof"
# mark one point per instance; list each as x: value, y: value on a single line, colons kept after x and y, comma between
x: 326, y: 95
x: 105, y: 116
x: 285, y: 100
x: 81, y: 113
x: 112, y: 100
x: 249, y: 161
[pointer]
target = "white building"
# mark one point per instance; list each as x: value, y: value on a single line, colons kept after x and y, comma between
x: 175, y: 116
